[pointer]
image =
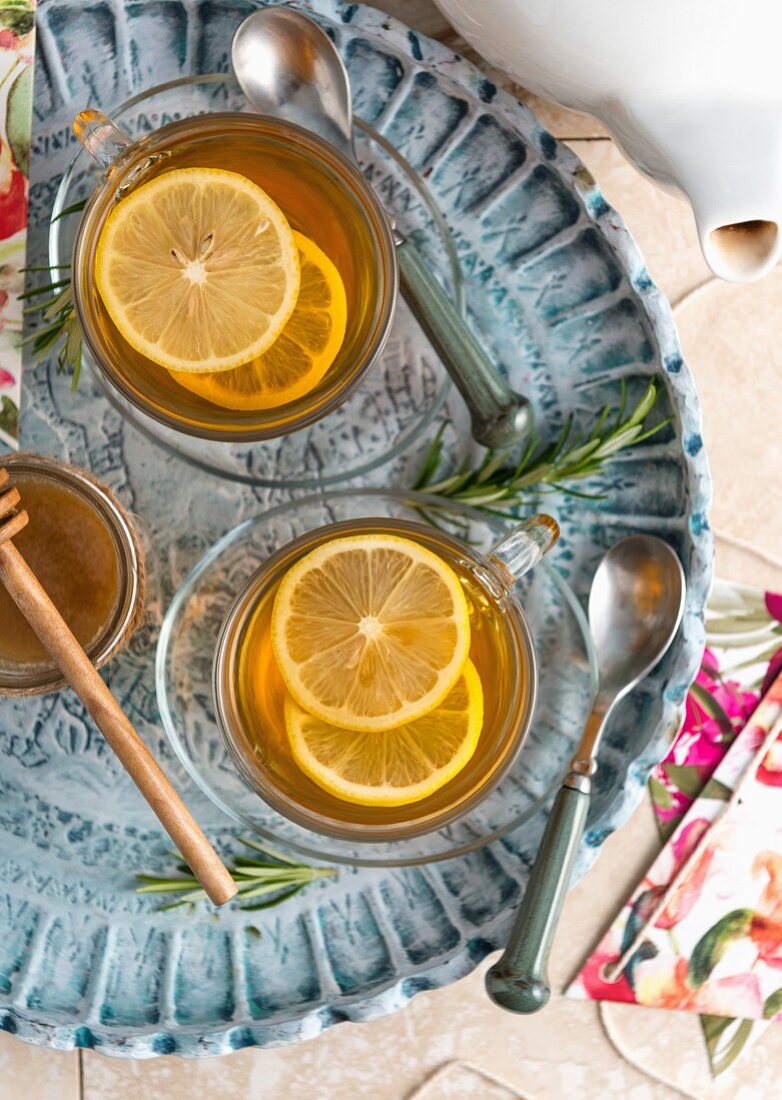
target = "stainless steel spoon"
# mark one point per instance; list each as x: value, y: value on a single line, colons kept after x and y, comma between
x: 635, y: 607
x: 288, y: 67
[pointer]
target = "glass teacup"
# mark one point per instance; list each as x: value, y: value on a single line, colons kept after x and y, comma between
x: 321, y: 194
x: 250, y: 693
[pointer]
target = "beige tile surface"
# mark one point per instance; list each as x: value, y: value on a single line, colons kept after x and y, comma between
x: 36, y: 1073
x: 662, y: 1043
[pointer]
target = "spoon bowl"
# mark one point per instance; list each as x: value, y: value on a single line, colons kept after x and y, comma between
x: 288, y: 67
x: 635, y: 605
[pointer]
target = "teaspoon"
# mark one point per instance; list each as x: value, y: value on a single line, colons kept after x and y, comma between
x: 288, y: 67
x: 635, y: 607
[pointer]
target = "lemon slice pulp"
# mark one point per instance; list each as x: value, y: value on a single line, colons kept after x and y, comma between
x: 370, y: 631
x: 394, y: 767
x: 198, y: 269
x: 301, y: 354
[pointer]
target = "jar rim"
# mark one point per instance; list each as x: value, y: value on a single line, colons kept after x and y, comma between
x: 39, y: 679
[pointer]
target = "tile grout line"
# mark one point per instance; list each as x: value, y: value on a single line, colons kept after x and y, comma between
x: 584, y: 137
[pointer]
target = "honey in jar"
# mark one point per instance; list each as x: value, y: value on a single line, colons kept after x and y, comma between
x: 82, y: 547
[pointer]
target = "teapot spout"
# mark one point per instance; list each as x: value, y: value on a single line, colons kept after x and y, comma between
x: 742, y: 251
x: 726, y: 158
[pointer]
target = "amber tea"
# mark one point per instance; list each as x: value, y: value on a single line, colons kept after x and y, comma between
x: 80, y: 545
x: 446, y: 755
x: 341, y: 307
x: 73, y: 554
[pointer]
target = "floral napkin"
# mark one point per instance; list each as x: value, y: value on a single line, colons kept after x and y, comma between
x: 17, y: 21
x: 716, y: 948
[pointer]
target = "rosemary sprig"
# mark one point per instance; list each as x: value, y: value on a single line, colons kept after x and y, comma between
x: 275, y: 878
x: 60, y: 325
x: 56, y: 311
x: 501, y: 483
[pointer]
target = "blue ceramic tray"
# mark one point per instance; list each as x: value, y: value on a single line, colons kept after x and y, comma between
x: 559, y: 294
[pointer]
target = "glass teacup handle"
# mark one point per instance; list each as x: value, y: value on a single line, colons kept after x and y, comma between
x: 106, y: 142
x: 500, y: 417
x: 523, y: 548
x: 102, y: 138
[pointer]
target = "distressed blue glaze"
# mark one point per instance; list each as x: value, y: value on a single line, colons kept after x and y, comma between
x: 559, y: 294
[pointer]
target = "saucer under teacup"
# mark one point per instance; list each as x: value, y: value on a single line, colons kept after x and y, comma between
x: 394, y: 401
x: 185, y: 671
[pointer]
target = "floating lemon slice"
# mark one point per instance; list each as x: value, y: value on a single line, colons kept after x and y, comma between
x: 198, y: 269
x: 301, y: 354
x: 398, y: 766
x: 370, y: 631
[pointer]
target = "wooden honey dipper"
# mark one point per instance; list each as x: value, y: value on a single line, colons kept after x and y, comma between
x: 47, y: 622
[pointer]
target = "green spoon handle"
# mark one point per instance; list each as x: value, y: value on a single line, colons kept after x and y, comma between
x: 518, y: 980
x: 500, y: 416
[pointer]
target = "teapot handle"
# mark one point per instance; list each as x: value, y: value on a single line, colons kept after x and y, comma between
x: 102, y: 138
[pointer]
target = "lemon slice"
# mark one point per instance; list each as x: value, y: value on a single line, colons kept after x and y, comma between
x: 370, y: 631
x: 301, y: 354
x: 198, y: 269
x: 394, y: 767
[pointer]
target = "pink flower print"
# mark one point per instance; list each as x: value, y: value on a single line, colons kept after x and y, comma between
x: 715, y: 710
x: 688, y: 839
x: 6, y: 378
x: 773, y: 601
x: 732, y: 703
x: 769, y: 863
x: 766, y: 935
x: 737, y: 996
x: 762, y: 926
x: 596, y: 986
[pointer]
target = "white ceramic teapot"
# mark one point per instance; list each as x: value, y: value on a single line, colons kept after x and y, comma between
x: 690, y: 89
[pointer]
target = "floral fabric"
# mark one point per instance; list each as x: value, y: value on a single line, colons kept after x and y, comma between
x: 17, y: 20
x: 716, y: 948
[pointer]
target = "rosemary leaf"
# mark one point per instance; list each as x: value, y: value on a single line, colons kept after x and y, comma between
x: 433, y: 459
x: 41, y: 332
x: 267, y: 850
x: 63, y: 304
x: 274, y: 901
x: 74, y: 209
x: 44, y: 288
